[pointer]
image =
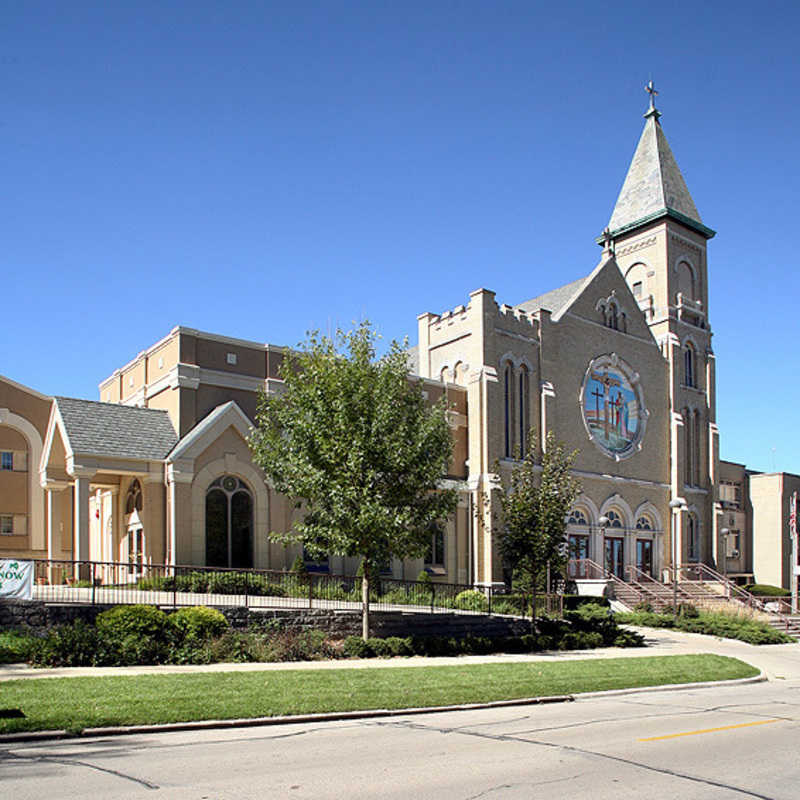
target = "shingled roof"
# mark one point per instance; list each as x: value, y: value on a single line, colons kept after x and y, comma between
x: 554, y: 300
x: 108, y: 429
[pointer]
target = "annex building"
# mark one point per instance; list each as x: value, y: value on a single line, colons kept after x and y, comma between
x: 619, y: 365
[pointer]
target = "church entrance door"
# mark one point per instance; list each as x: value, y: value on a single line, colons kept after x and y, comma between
x: 615, y: 563
x: 644, y: 556
x: 578, y: 550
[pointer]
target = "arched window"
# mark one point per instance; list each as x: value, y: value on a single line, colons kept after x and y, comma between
x: 523, y: 410
x: 689, y: 365
x: 508, y: 401
x: 692, y: 538
x: 460, y: 374
x: 229, y: 524
x: 696, y: 456
x: 577, y: 517
x: 644, y: 523
x: 613, y: 316
x: 614, y: 519
x: 444, y: 375
x: 636, y: 276
x: 133, y: 500
x: 686, y: 284
x: 688, y: 429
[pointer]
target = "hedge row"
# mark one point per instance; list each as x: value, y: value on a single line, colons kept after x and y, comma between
x: 128, y: 635
x: 728, y: 626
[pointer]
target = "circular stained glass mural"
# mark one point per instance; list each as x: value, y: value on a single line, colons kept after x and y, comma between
x: 613, y: 407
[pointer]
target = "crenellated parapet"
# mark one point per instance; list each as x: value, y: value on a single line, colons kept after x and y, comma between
x: 454, y: 342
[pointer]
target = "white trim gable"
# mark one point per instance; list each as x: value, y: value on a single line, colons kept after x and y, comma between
x: 209, y: 429
x: 55, y: 422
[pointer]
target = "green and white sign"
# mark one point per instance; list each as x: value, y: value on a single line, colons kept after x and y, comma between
x: 16, y: 579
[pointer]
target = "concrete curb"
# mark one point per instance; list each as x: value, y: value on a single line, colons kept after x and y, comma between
x: 216, y: 724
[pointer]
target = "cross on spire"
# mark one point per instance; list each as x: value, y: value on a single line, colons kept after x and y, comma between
x: 652, y: 111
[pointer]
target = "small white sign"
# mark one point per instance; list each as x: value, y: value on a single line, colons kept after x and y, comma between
x: 797, y: 569
x: 16, y: 579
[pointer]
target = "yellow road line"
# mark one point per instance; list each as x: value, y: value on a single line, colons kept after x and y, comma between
x: 711, y: 730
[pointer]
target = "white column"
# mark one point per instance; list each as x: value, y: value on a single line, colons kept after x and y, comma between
x: 80, y: 544
x: 52, y: 511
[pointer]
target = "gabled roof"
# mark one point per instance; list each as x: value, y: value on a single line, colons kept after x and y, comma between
x: 211, y: 428
x: 654, y: 186
x: 108, y: 429
x: 555, y: 299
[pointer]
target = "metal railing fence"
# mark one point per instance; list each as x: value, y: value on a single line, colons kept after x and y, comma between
x: 121, y: 583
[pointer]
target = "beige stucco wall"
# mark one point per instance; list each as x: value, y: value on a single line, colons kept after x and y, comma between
x: 23, y: 424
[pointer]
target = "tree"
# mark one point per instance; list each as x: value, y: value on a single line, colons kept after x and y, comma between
x: 354, y: 443
x: 535, y: 506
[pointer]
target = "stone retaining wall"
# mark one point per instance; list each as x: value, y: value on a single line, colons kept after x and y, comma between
x: 37, y: 615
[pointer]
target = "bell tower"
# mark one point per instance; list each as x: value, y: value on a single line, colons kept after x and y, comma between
x: 660, y: 244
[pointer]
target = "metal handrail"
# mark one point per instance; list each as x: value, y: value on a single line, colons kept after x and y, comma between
x: 606, y: 575
x: 732, y: 591
x: 637, y: 575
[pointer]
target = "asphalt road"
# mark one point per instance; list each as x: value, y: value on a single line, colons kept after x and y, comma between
x: 723, y: 742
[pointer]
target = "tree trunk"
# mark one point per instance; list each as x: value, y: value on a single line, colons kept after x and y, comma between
x: 365, y: 604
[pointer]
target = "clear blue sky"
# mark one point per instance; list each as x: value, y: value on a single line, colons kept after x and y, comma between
x: 260, y: 169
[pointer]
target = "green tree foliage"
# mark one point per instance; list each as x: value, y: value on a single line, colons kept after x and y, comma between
x: 535, y: 506
x: 353, y: 441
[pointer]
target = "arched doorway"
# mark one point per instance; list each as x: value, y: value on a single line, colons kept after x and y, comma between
x: 229, y: 523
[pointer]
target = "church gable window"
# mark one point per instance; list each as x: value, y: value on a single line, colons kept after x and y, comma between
x: 612, y: 314
x: 644, y: 523
x: 614, y: 519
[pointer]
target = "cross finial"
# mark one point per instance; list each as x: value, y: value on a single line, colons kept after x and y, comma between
x: 652, y: 111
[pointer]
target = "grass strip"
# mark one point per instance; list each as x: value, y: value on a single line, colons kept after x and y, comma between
x: 87, y: 702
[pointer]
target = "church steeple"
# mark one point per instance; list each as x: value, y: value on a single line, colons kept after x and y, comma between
x: 654, y: 186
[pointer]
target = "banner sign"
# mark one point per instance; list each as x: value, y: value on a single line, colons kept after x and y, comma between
x: 16, y: 579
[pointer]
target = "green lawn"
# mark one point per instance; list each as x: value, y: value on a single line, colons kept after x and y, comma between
x: 77, y: 703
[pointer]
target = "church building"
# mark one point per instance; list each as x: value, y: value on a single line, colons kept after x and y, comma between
x: 618, y: 365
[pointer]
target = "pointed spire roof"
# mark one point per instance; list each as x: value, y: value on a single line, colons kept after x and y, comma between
x: 654, y: 186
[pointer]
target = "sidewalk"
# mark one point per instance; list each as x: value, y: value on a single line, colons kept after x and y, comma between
x: 778, y: 662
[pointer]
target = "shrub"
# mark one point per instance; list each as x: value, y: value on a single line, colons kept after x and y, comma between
x: 573, y: 601
x: 471, y: 600
x: 356, y: 647
x: 75, y: 645
x: 767, y: 590
x: 198, y: 624
x: 688, y: 611
x: 627, y: 638
x: 424, y: 577
x: 133, y: 634
x: 728, y: 626
x: 581, y: 640
x: 15, y: 646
